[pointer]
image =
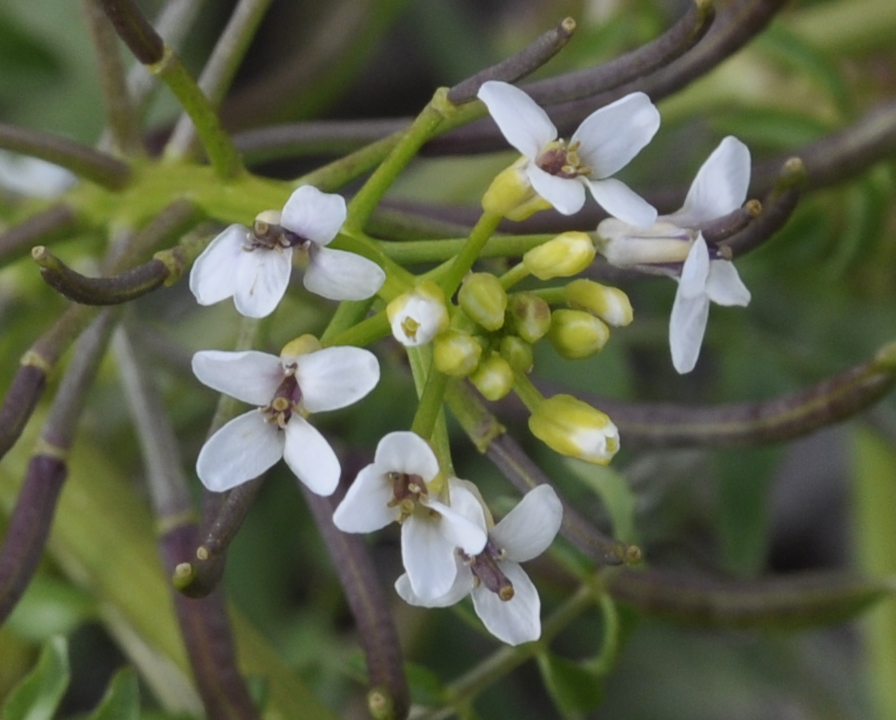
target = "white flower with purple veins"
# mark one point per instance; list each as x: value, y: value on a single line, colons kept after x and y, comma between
x: 604, y: 143
x: 396, y: 487
x: 675, y: 246
x: 253, y: 266
x: 503, y: 595
x: 286, y: 390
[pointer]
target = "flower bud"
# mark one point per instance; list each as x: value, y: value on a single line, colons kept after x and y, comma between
x: 483, y: 299
x: 567, y: 254
x: 576, y: 334
x: 610, y: 304
x: 575, y: 429
x: 511, y: 194
x: 418, y: 316
x: 493, y: 378
x: 302, y: 345
x: 530, y: 316
x: 517, y: 352
x: 456, y: 353
x: 625, y: 245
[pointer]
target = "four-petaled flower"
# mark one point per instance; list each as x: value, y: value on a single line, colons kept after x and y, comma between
x: 503, y: 595
x: 604, y: 143
x: 285, y: 389
x: 253, y: 266
x: 675, y: 246
x: 397, y: 487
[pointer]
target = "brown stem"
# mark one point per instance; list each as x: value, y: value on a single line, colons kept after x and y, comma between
x: 54, y: 223
x: 134, y: 29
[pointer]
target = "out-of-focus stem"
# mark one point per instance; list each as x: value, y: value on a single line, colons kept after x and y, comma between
x: 29, y: 524
x: 55, y: 222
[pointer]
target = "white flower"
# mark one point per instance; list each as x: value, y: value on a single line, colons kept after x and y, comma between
x: 396, y: 488
x: 604, y: 143
x: 503, y: 595
x: 719, y: 188
x: 285, y: 389
x: 254, y: 266
x: 416, y: 317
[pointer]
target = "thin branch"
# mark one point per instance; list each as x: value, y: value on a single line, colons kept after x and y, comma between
x: 51, y: 224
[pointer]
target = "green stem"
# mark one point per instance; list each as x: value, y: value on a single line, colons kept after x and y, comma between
x: 347, y: 316
x: 421, y: 364
x: 427, y: 251
x: 363, y: 334
x: 469, y: 253
x: 430, y: 403
x: 526, y: 391
x: 516, y: 274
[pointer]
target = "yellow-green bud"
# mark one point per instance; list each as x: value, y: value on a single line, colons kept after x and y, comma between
x: 530, y: 316
x: 493, y: 378
x: 456, y: 353
x: 418, y: 316
x: 575, y: 429
x: 610, y: 304
x: 517, y: 352
x: 567, y: 254
x: 511, y: 194
x: 302, y: 345
x: 484, y: 300
x: 576, y: 334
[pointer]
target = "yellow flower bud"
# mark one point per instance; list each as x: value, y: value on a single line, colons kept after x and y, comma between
x: 610, y: 304
x: 511, y: 195
x: 576, y: 334
x: 418, y: 316
x: 517, y: 352
x: 302, y: 345
x: 484, y: 300
x: 567, y: 254
x: 456, y: 353
x: 493, y: 378
x: 575, y: 429
x: 529, y: 315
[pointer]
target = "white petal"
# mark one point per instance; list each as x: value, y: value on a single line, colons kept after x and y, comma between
x: 463, y: 584
x: 467, y: 502
x: 365, y: 506
x: 241, y: 450
x: 620, y: 201
x: 261, y: 281
x: 406, y: 452
x: 724, y: 286
x: 530, y: 528
x: 566, y: 195
x: 695, y: 271
x: 341, y: 275
x: 687, y: 326
x: 335, y: 377
x: 612, y: 136
x: 463, y: 532
x: 720, y: 186
x: 310, y: 456
x: 213, y: 275
x: 314, y: 215
x: 429, y: 557
x: 250, y: 376
x: 513, y: 621
x: 519, y: 118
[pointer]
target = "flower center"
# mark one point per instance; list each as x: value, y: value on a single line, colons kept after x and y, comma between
x: 287, y: 400
x: 486, y: 570
x: 561, y: 160
x: 271, y: 236
x: 407, y: 490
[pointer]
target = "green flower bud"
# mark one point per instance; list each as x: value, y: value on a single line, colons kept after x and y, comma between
x: 517, y: 352
x: 575, y: 429
x: 610, y: 304
x: 576, y: 334
x: 493, y: 378
x: 530, y: 316
x: 511, y: 195
x: 483, y: 299
x: 456, y: 353
x: 567, y: 254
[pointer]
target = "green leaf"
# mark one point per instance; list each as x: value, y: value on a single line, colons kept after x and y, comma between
x: 50, y: 607
x: 426, y: 688
x: 575, y: 689
x: 39, y: 693
x: 122, y: 698
x: 613, y: 490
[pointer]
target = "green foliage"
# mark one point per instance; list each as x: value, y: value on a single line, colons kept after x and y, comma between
x: 39, y: 693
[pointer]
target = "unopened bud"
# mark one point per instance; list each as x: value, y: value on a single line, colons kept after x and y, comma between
x: 625, y: 245
x: 302, y: 345
x: 567, y: 254
x: 530, y: 316
x: 610, y: 304
x: 418, y: 316
x: 576, y: 334
x: 483, y: 299
x: 575, y: 429
x: 493, y: 378
x: 456, y: 353
x: 511, y: 194
x: 517, y: 352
